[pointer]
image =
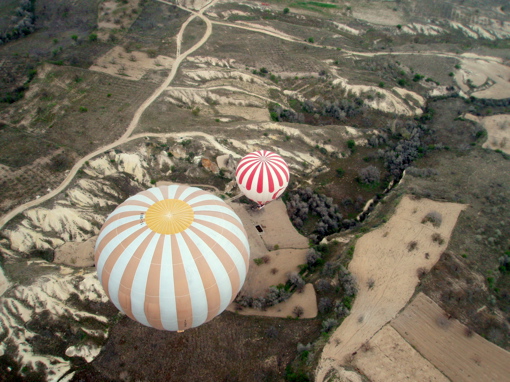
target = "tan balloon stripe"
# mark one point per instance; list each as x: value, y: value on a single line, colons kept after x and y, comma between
x: 112, y: 235
x: 179, y: 191
x: 196, y: 193
x: 181, y: 288
x: 209, y: 202
x: 126, y: 282
x: 115, y: 254
x: 229, y: 236
x: 135, y: 202
x: 165, y: 191
x: 152, y: 290
x: 223, y: 256
x: 223, y: 216
x: 150, y: 195
x: 212, y: 292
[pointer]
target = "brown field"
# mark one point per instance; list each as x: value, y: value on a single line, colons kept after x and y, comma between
x: 307, y: 300
x: 498, y: 131
x: 229, y: 348
x: 386, y: 263
x: 459, y: 353
x: 283, y: 250
x: 388, y: 357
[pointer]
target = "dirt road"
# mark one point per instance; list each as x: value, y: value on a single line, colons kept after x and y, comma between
x: 136, y: 118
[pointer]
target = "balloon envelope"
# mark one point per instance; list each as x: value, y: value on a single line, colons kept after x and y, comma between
x: 262, y: 176
x: 172, y: 257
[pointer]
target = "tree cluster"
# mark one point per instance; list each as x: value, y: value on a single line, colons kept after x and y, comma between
x: 23, y: 22
x: 400, y: 154
x: 304, y: 201
x: 279, y: 114
x: 369, y: 175
x: 338, y: 109
x: 274, y: 296
x: 347, y: 281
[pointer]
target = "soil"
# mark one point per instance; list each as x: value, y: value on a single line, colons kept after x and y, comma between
x: 229, y: 348
x: 498, y: 131
x: 454, y: 349
x: 388, y: 357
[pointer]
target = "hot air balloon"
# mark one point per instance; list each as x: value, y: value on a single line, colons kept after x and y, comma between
x: 262, y: 176
x: 172, y: 257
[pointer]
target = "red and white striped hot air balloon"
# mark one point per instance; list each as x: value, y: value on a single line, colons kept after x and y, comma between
x: 172, y: 257
x: 262, y: 176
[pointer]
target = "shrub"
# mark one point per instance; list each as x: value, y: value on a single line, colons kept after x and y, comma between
x: 437, y: 238
x: 286, y: 10
x: 325, y: 305
x: 311, y: 40
x: 341, y: 310
x: 351, y: 144
x: 302, y: 348
x: 433, y: 217
x: 83, y: 109
x: 92, y: 37
x: 348, y: 281
x: 272, y: 332
x: 366, y: 346
x: 296, y: 280
x: 312, y: 257
x: 421, y: 272
x: 329, y: 324
x: 412, y: 245
x: 298, y: 311
x: 369, y: 175
x: 323, y: 285
x: 258, y: 261
x: 329, y: 269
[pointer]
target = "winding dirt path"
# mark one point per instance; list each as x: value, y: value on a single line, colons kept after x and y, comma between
x: 136, y: 118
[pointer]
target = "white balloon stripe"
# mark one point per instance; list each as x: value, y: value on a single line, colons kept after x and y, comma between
x: 110, y: 247
x: 200, y: 198
x: 196, y: 288
x: 123, y: 208
x: 138, y: 288
x: 117, y: 225
x: 117, y: 270
x: 225, y: 225
x: 167, y: 301
x: 230, y: 248
x: 157, y: 192
x: 219, y: 209
x: 220, y: 274
x: 142, y: 198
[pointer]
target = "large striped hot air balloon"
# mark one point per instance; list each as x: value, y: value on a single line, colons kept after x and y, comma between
x: 262, y: 176
x: 172, y: 257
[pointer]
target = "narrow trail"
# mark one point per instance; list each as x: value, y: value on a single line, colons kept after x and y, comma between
x: 136, y: 117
